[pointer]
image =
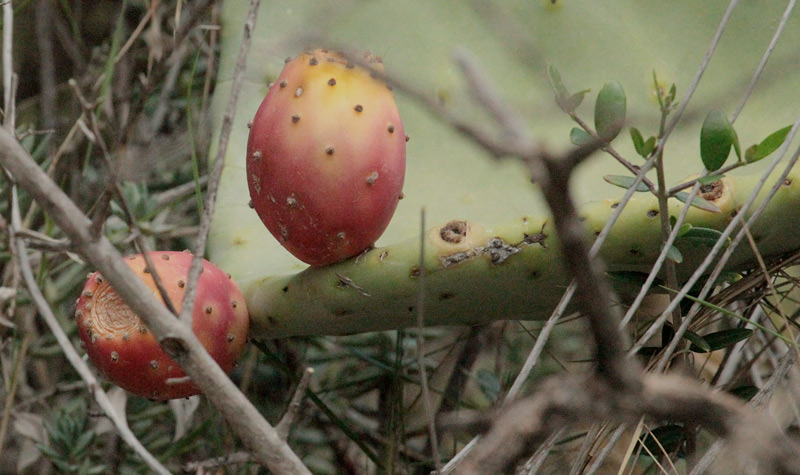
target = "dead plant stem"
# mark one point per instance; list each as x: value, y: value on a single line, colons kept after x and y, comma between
x: 218, y: 164
x: 423, y: 373
x: 663, y: 212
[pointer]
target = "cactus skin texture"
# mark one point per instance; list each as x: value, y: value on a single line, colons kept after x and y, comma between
x: 125, y: 351
x: 326, y: 157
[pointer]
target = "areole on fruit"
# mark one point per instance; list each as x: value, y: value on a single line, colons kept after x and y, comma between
x: 326, y: 157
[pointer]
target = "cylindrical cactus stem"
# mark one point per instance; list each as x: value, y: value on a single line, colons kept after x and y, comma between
x: 478, y: 273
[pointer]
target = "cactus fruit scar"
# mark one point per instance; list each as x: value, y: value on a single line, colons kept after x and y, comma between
x: 125, y: 351
x: 326, y: 157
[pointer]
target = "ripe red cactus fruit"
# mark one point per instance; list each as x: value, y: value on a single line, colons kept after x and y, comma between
x: 326, y: 157
x: 124, y: 350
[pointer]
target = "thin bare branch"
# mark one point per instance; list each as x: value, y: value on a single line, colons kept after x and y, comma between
x: 285, y: 424
x: 481, y: 87
x: 762, y: 64
x: 114, y: 184
x: 423, y: 372
x: 712, y: 47
x: 218, y: 164
x: 8, y: 65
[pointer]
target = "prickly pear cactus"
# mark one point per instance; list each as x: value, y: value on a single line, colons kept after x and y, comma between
x: 489, y: 251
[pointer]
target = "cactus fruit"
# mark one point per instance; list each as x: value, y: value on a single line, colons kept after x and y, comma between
x: 126, y: 352
x: 326, y: 157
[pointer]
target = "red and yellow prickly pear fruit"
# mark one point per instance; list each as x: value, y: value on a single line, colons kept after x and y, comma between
x: 124, y: 350
x: 326, y: 157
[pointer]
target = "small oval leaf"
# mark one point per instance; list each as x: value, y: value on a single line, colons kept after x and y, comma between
x: 685, y: 228
x: 580, y: 137
x: 559, y: 89
x: 697, y: 202
x: 697, y: 341
x: 716, y: 138
x: 610, y: 110
x: 649, y: 146
x: 674, y: 254
x: 702, y: 236
x: 573, y: 101
x: 638, y: 141
x: 626, y: 182
x: 768, y: 145
x: 723, y: 339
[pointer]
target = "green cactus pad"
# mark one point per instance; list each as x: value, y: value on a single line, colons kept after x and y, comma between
x: 506, y: 264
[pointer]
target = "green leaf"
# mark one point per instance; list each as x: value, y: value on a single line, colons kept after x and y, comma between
x: 674, y: 254
x: 648, y: 352
x: 697, y: 341
x: 638, y: 141
x: 643, y: 148
x: 649, y: 146
x: 744, y: 392
x: 558, y: 87
x: 685, y: 228
x: 767, y: 146
x: 49, y: 452
x: 697, y: 202
x: 488, y: 383
x: 668, y: 438
x: 83, y: 442
x: 64, y: 466
x: 555, y: 81
x: 671, y: 96
x: 702, y: 236
x: 725, y: 311
x: 624, y: 181
x: 722, y: 339
x: 573, y: 101
x: 97, y: 470
x: 633, y: 278
x: 735, y: 140
x: 580, y: 137
x: 709, y: 179
x: 610, y: 110
x: 716, y: 138
x: 729, y: 277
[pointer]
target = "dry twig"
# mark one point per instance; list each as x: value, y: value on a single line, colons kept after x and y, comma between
x: 285, y: 424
